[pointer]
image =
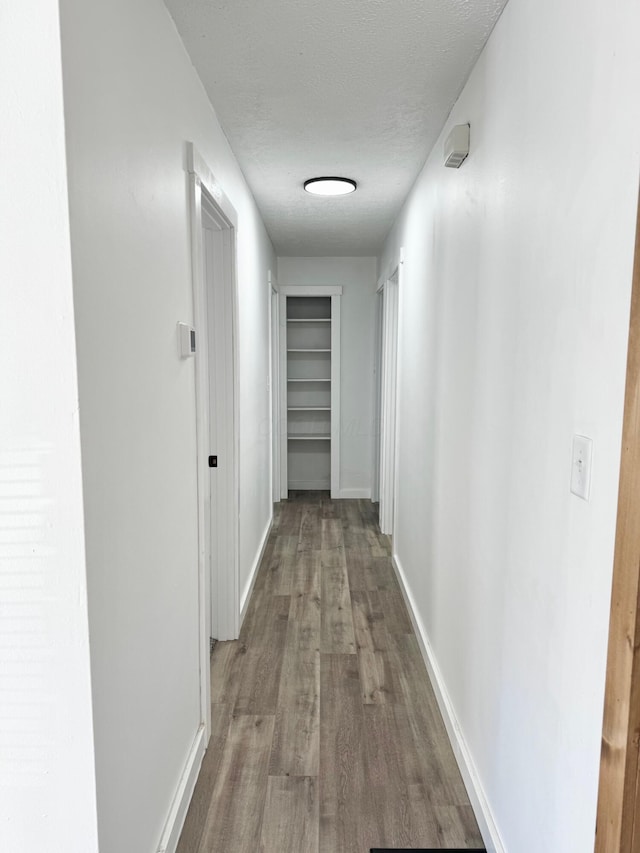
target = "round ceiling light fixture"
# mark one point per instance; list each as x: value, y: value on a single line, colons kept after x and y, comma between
x: 330, y: 186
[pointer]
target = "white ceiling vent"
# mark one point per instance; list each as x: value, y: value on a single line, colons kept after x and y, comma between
x: 456, y: 146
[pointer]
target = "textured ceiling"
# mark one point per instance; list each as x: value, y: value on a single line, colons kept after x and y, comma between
x: 359, y: 88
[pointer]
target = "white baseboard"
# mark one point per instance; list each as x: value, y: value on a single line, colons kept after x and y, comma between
x: 323, y: 486
x: 310, y: 485
x: 486, y: 822
x: 178, y: 811
x: 248, y: 589
x: 352, y: 494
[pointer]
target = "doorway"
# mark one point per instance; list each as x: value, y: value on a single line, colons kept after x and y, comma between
x: 220, y: 519
x: 309, y: 376
x: 215, y: 318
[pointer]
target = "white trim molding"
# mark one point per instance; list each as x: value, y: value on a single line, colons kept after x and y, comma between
x: 389, y: 379
x: 311, y: 290
x: 391, y: 269
x: 355, y: 494
x: 281, y: 420
x: 253, y: 574
x: 198, y: 176
x: 308, y: 485
x: 274, y: 379
x: 222, y: 367
x: 182, y: 797
x: 197, y: 165
x: 336, y: 388
x: 479, y: 802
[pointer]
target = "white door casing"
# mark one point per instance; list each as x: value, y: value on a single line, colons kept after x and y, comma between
x: 335, y: 293
x: 377, y: 373
x: 389, y: 380
x: 274, y: 326
x: 214, y: 224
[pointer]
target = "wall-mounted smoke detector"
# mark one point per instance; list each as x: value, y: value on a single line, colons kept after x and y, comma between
x: 456, y: 146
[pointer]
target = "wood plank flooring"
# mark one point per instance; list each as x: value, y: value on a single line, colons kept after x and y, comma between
x: 326, y: 733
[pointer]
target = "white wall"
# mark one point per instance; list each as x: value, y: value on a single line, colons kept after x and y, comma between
x: 47, y: 788
x: 514, y: 323
x: 132, y: 100
x: 357, y: 317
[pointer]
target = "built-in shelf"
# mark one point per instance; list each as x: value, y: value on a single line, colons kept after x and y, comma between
x: 310, y: 396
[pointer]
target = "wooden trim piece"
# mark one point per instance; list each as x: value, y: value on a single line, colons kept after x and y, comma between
x: 617, y: 829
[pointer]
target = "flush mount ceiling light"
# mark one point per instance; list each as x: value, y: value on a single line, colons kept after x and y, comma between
x: 330, y: 186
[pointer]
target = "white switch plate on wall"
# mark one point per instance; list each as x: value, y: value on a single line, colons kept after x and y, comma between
x: 581, y: 466
x: 187, y: 339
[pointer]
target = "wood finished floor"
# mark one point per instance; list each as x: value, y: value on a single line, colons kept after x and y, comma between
x: 326, y: 733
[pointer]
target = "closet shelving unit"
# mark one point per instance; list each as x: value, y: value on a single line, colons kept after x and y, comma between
x: 310, y: 393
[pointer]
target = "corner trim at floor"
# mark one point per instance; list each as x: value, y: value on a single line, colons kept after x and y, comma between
x: 180, y: 803
x: 248, y: 589
x: 353, y: 494
x: 477, y: 796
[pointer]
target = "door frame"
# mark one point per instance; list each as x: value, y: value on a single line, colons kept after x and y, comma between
x: 219, y: 590
x: 274, y: 379
x: 391, y: 287
x: 377, y: 373
x: 618, y: 817
x: 334, y: 291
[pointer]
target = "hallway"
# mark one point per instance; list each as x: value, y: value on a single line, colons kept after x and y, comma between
x: 326, y: 733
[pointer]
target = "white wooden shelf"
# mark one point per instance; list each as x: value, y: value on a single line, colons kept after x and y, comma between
x: 310, y: 388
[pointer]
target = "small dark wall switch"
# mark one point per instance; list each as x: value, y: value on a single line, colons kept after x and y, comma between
x: 213, y: 462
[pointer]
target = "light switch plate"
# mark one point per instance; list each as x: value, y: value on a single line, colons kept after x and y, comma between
x: 187, y: 340
x: 581, y: 466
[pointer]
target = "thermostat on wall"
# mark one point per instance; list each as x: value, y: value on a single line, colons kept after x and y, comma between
x: 456, y: 146
x: 187, y: 336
